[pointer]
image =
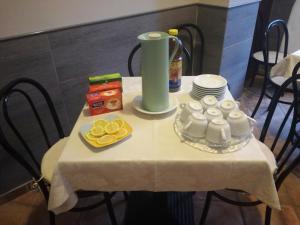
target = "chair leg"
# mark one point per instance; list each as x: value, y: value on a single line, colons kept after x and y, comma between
x: 262, y: 94
x: 206, y: 208
x: 51, y: 218
x: 268, y: 216
x: 125, y: 195
x: 254, y: 73
x: 258, y: 103
x: 110, y: 209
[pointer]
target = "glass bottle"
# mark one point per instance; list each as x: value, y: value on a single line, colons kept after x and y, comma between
x: 175, y: 70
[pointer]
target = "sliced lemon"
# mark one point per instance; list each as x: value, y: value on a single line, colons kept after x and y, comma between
x: 106, y: 139
x: 120, y: 122
x: 100, y: 123
x: 97, y: 131
x: 90, y: 137
x: 121, y: 133
x: 112, y: 127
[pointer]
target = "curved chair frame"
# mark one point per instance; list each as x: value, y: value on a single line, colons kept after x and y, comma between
x: 138, y: 46
x: 33, y: 167
x: 187, y: 27
x: 278, y: 25
x: 281, y: 31
x: 283, y: 159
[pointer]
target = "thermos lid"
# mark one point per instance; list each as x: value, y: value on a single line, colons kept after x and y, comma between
x: 154, y: 35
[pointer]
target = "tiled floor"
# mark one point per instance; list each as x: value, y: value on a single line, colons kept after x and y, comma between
x: 30, y: 208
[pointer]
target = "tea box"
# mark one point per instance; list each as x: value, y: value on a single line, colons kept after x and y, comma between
x: 104, y: 101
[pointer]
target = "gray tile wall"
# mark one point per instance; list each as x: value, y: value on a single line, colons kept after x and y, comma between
x: 212, y: 21
x: 63, y: 60
x: 238, y: 37
x: 228, y: 40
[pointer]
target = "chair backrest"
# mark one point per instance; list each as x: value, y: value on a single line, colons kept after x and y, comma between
x: 138, y: 46
x: 190, y: 28
x: 281, y: 33
x: 286, y: 158
x: 15, y: 89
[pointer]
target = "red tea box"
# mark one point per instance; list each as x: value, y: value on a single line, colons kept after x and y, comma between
x: 104, y: 101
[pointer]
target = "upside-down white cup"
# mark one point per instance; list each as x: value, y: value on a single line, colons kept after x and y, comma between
x: 209, y: 101
x: 196, y: 126
x: 190, y: 108
x: 218, y: 131
x: 213, y: 113
x: 240, y: 123
x: 226, y: 106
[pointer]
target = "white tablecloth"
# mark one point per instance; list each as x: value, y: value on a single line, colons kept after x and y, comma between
x: 154, y: 159
x: 286, y: 66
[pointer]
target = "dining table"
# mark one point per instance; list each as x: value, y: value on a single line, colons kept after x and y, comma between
x: 154, y: 163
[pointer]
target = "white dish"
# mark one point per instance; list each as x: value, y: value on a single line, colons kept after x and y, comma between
x: 209, y: 89
x: 203, y: 88
x: 208, y: 92
x: 198, y: 97
x: 197, y: 94
x: 137, y: 105
x: 210, y: 81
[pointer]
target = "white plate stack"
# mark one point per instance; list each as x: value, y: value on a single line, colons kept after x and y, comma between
x: 209, y: 84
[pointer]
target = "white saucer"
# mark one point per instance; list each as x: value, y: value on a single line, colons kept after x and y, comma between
x: 210, y: 81
x: 137, y: 105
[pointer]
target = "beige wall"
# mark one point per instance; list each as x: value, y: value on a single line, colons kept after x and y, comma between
x: 19, y: 17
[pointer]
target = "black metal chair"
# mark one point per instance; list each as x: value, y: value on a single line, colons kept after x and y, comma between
x: 138, y: 46
x: 270, y: 58
x: 188, y: 48
x: 274, y: 55
x: 285, y: 162
x: 191, y: 29
x: 41, y: 172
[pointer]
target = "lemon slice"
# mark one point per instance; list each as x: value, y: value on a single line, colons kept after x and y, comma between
x: 97, y: 131
x: 106, y: 139
x: 120, y: 122
x: 100, y: 123
x: 90, y: 137
x: 121, y: 133
x: 112, y: 127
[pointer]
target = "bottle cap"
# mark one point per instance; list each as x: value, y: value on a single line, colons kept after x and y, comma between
x: 173, y: 32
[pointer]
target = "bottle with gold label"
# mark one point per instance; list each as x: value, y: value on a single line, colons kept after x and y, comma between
x: 175, y: 71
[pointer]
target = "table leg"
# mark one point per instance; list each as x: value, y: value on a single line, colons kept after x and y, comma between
x: 159, y: 208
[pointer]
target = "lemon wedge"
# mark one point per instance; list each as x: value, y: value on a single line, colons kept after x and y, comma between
x: 112, y: 127
x: 100, y: 123
x: 97, y: 131
x: 120, y: 122
x: 121, y: 133
x: 106, y: 139
x: 90, y: 137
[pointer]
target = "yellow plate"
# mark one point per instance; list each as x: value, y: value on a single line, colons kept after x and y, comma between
x: 85, y: 129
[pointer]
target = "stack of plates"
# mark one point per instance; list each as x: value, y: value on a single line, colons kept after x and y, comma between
x: 209, y: 84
